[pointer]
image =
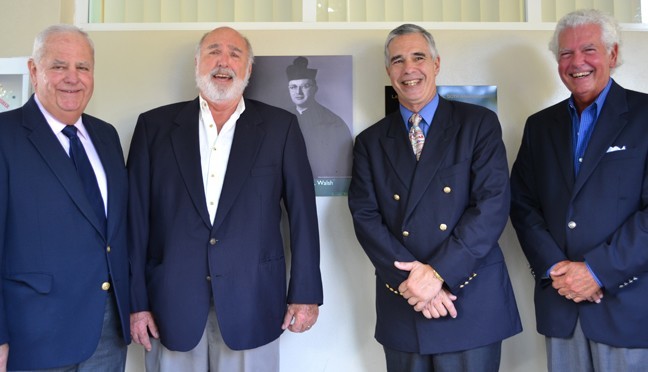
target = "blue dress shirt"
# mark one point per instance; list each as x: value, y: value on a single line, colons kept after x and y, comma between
x: 427, y: 114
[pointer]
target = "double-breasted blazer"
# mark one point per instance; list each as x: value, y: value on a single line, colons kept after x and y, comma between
x: 446, y: 210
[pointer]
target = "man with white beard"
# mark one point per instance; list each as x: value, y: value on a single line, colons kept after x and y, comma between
x: 207, y: 179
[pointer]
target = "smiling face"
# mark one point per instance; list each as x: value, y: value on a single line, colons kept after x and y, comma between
x: 222, y: 65
x: 63, y: 77
x: 412, y: 70
x: 584, y: 63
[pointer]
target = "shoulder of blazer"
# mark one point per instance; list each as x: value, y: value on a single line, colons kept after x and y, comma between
x: 265, y: 110
x: 263, y: 114
x: 635, y: 96
x: 625, y: 100
x: 9, y: 119
x: 170, y: 111
x: 461, y: 111
x: 552, y: 113
x: 29, y: 115
x: 384, y: 126
x: 98, y: 124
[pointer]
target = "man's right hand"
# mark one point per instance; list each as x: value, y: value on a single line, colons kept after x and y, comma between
x: 141, y: 324
x: 4, y: 355
x: 421, y: 285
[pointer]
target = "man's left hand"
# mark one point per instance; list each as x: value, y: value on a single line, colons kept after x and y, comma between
x: 300, y: 318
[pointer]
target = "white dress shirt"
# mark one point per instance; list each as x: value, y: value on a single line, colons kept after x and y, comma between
x: 214, y: 152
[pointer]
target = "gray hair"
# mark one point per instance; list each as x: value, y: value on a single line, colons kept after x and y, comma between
x: 409, y: 28
x: 41, y: 39
x: 610, y: 31
x: 247, y: 45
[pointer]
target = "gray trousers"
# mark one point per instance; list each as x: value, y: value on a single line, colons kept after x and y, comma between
x: 580, y: 354
x: 211, y: 354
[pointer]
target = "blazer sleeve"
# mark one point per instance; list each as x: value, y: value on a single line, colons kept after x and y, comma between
x: 138, y: 212
x: 305, y: 286
x: 540, y: 248
x: 625, y: 255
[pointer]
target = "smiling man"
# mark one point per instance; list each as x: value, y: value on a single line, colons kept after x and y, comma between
x: 63, y: 194
x: 208, y: 178
x: 580, y: 206
x: 429, y: 197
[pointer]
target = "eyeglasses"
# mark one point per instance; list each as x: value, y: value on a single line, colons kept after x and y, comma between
x: 294, y: 87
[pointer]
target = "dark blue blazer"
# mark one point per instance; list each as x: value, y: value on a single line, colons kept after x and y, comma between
x: 607, y: 201
x: 180, y: 260
x: 55, y: 255
x: 447, y: 210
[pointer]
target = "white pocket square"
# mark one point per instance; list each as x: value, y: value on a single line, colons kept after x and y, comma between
x: 615, y: 148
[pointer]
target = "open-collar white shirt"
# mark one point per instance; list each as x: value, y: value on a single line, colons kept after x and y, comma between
x: 214, y: 152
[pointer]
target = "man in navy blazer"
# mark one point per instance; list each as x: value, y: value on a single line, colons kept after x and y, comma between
x: 430, y: 227
x: 207, y: 182
x: 64, y: 271
x: 580, y: 206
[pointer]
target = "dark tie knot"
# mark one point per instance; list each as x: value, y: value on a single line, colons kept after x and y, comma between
x: 70, y: 131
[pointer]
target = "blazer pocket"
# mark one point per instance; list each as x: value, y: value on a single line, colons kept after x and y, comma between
x: 41, y: 283
x: 619, y: 155
x: 271, y: 260
x: 264, y: 171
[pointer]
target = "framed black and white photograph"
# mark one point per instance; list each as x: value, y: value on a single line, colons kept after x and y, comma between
x: 319, y: 91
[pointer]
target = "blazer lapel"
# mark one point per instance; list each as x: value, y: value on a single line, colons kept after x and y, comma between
x: 609, y: 124
x: 398, y: 149
x: 248, y: 135
x: 184, y: 141
x: 46, y: 143
x: 442, y: 130
x: 560, y: 135
x: 112, y: 165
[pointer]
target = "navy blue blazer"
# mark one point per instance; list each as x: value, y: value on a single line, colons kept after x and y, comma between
x: 55, y: 256
x: 448, y: 210
x: 608, y: 205
x: 180, y: 260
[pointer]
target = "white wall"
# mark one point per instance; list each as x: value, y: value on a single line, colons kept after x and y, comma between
x: 139, y: 70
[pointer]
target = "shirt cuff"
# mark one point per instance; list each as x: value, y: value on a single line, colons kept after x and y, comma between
x: 594, y: 275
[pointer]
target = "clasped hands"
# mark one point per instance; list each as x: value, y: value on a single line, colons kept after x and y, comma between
x: 575, y: 282
x: 424, y: 291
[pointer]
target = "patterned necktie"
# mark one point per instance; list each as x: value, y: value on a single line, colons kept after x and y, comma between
x: 86, y: 173
x: 416, y: 136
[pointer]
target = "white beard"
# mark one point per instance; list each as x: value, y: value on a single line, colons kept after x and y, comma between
x: 215, y: 93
